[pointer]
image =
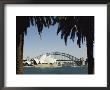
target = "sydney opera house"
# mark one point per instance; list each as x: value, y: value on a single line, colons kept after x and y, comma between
x: 50, y: 61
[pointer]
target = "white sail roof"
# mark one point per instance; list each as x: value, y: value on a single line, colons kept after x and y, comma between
x: 47, y: 59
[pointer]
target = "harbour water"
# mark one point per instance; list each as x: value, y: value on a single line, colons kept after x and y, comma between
x: 58, y: 70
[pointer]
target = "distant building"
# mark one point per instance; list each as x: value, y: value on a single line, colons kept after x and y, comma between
x: 48, y: 59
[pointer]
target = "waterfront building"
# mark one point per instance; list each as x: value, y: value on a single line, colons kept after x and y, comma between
x: 53, y: 60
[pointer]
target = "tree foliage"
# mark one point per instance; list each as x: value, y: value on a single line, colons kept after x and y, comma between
x: 81, y: 27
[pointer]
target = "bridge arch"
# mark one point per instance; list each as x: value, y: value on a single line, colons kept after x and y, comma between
x: 60, y: 56
x: 64, y: 58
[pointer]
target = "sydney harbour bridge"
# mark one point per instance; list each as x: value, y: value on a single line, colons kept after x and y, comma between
x: 62, y: 59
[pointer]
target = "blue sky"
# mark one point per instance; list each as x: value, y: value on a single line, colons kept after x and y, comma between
x: 50, y: 42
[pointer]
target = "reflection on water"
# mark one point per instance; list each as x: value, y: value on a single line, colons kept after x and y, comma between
x: 59, y: 70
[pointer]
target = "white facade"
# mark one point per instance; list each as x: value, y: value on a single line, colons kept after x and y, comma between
x: 45, y: 59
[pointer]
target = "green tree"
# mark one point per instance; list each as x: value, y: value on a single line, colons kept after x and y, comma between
x: 69, y: 26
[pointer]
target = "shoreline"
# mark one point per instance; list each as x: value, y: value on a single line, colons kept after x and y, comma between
x: 35, y: 66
